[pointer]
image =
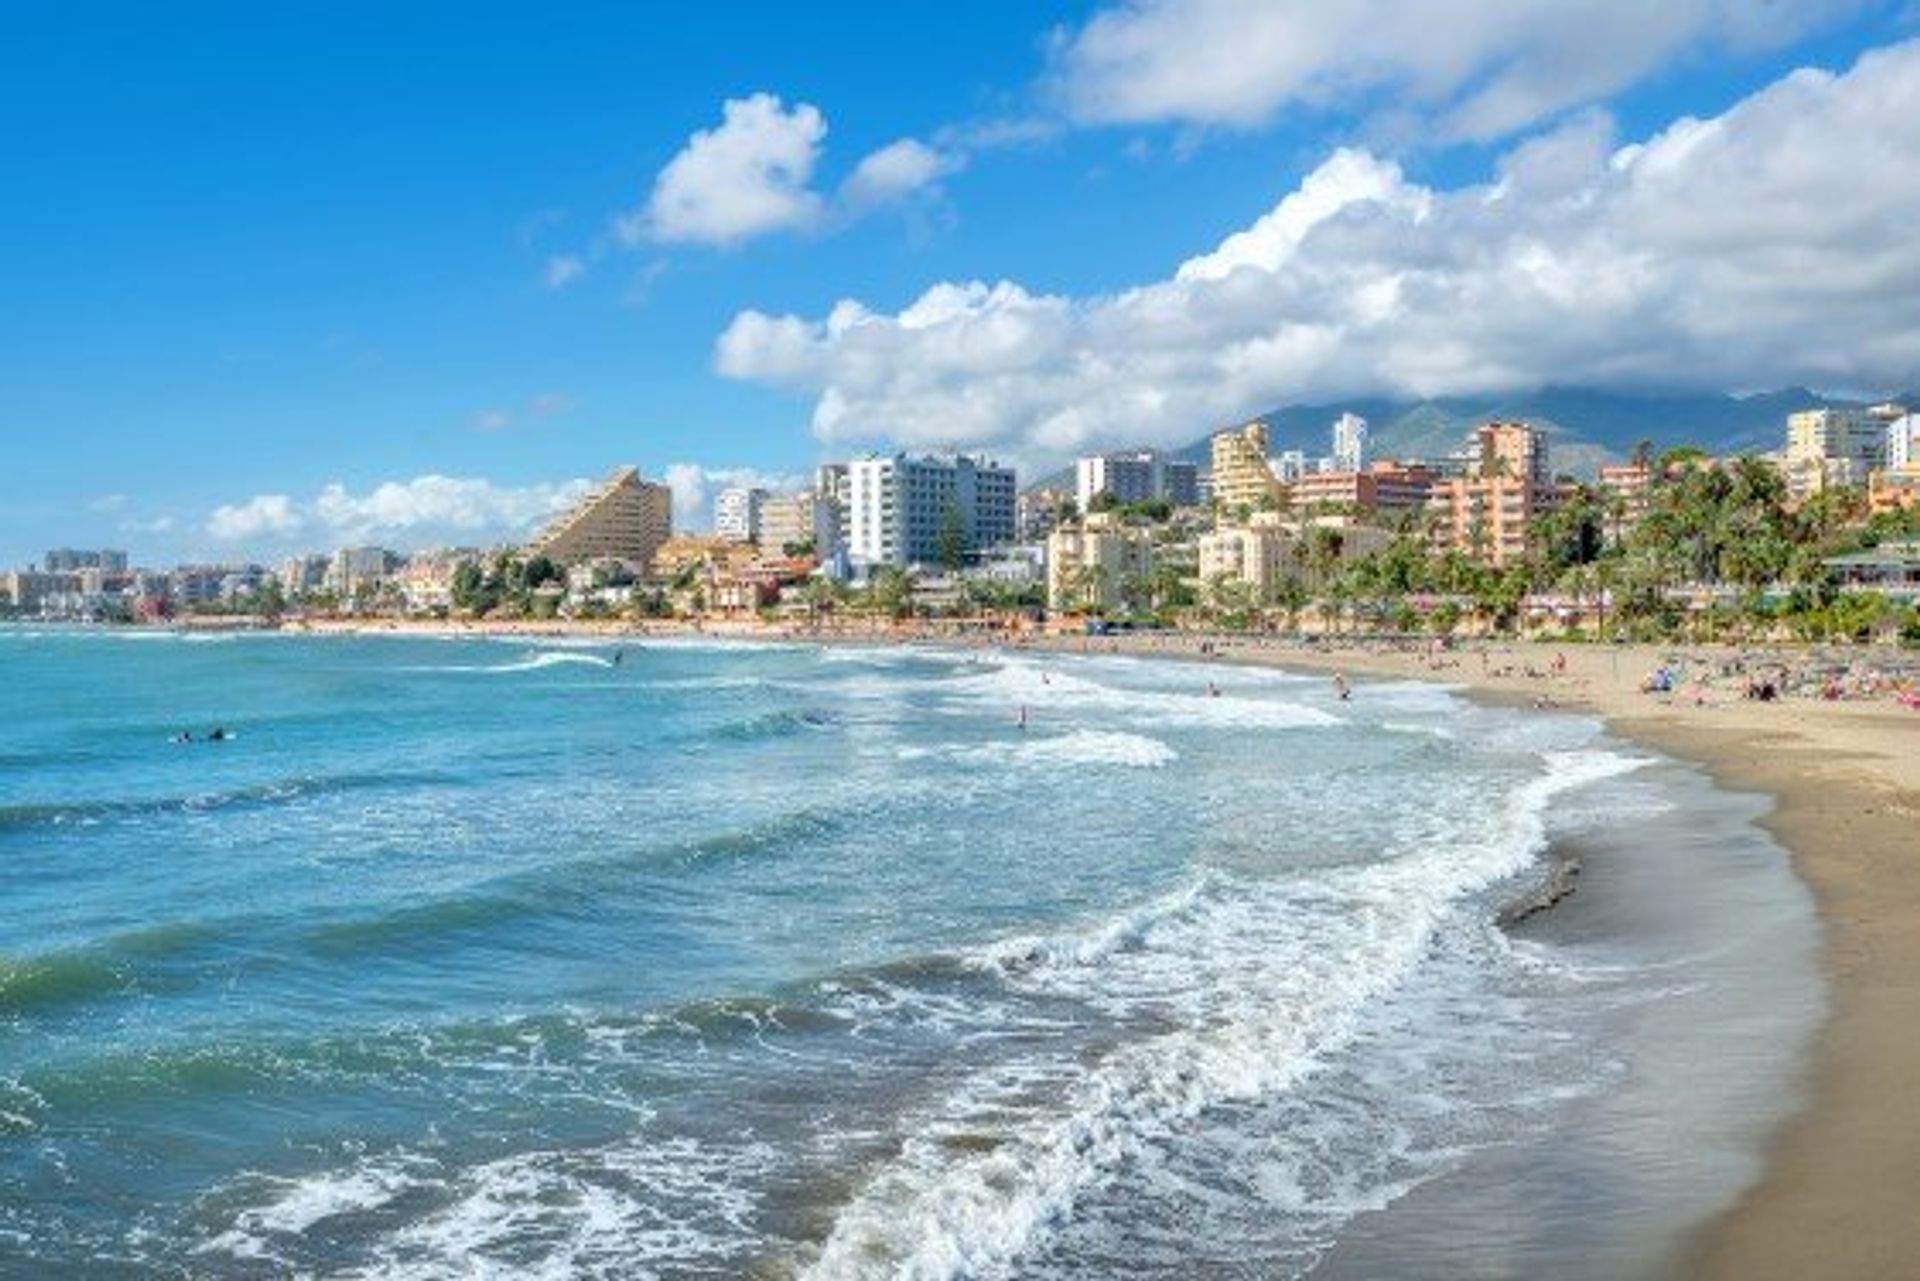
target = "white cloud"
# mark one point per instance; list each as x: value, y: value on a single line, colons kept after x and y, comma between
x: 753, y: 175
x: 424, y: 509
x: 492, y: 418
x: 1771, y: 244
x: 262, y: 516
x: 693, y: 488
x: 1480, y: 68
x: 562, y: 270
x: 744, y: 178
x: 895, y: 172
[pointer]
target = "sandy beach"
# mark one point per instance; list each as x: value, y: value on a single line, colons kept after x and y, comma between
x: 1844, y: 773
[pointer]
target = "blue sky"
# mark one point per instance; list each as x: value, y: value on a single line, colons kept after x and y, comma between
x: 252, y: 252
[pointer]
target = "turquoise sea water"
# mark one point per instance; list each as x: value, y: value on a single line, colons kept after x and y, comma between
x: 469, y: 958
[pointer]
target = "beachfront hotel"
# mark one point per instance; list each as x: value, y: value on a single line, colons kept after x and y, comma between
x: 1485, y: 514
x: 898, y: 505
x: 625, y: 519
x: 1243, y: 480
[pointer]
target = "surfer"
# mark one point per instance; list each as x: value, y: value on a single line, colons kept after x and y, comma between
x: 184, y: 736
x: 217, y: 735
x: 1021, y: 722
x: 1340, y: 687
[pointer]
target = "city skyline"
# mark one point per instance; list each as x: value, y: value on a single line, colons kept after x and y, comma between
x: 406, y: 281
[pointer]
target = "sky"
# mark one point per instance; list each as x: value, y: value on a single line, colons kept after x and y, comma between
x: 289, y: 276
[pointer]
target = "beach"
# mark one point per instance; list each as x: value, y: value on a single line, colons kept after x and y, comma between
x: 1837, y: 1194
x: 1844, y: 777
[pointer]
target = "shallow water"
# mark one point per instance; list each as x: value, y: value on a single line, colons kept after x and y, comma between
x: 485, y: 958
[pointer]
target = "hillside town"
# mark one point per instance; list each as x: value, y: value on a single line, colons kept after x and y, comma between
x: 1819, y: 539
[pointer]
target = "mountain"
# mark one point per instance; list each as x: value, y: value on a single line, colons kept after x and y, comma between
x: 1586, y: 426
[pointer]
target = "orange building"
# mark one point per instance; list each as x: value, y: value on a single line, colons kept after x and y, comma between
x: 1485, y: 513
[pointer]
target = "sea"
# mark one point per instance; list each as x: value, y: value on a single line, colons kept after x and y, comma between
x: 461, y: 957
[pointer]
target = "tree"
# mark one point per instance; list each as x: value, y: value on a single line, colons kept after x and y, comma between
x: 950, y: 543
x: 890, y: 591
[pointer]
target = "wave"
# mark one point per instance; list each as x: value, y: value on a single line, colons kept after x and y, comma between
x: 1257, y: 982
x: 531, y: 663
x: 773, y: 725
x: 629, y: 1207
x: 1210, y: 705
x: 276, y: 792
x: 1077, y: 747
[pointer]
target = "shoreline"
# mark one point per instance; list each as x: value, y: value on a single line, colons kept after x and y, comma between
x: 1836, y: 1192
x: 1839, y: 1173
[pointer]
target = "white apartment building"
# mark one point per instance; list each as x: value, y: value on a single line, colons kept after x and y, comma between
x: 737, y: 513
x: 1903, y: 443
x: 1349, y: 443
x: 897, y: 505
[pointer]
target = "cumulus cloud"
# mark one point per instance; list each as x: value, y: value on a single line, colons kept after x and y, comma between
x: 1481, y: 68
x: 424, y: 509
x: 1767, y: 245
x: 744, y: 178
x: 753, y: 175
x: 262, y: 516
x: 694, y: 486
x: 896, y: 171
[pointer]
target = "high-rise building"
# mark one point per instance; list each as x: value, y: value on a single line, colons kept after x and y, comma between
x: 1485, y: 513
x: 1349, y: 443
x: 625, y: 519
x: 1242, y: 479
x: 358, y: 570
x: 899, y: 506
x: 1827, y: 448
x: 737, y: 513
x: 65, y: 560
x: 1136, y: 477
x: 1903, y: 443
x: 795, y: 520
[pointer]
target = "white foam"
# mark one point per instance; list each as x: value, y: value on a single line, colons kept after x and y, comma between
x: 1258, y: 981
x: 531, y: 663
x: 1077, y: 747
x: 1210, y: 704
